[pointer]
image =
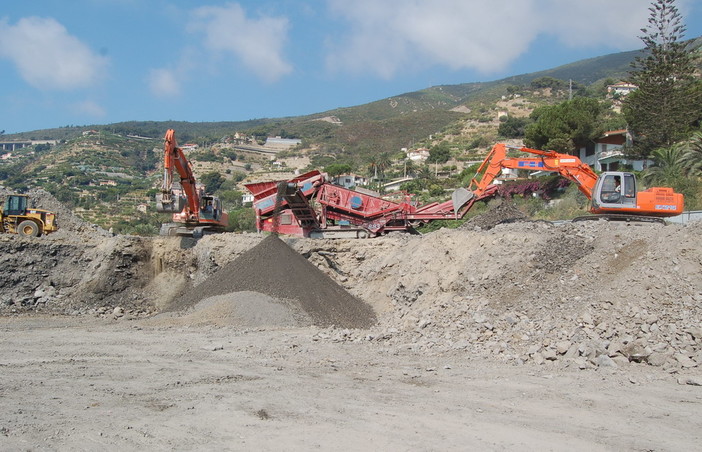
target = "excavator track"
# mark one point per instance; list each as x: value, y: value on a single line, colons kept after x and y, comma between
x: 620, y: 217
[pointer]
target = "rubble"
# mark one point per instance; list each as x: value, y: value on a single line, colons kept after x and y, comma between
x: 589, y: 295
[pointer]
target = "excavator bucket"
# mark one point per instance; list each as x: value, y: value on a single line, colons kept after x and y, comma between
x: 169, y: 204
x: 460, y: 197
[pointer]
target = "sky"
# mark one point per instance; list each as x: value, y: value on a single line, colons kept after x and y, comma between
x: 84, y: 62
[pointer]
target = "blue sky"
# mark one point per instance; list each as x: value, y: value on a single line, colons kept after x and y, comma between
x: 82, y: 62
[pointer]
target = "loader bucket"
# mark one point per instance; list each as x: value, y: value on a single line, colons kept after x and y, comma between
x: 169, y: 204
x: 459, y: 198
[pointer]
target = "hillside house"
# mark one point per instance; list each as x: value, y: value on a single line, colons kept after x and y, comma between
x: 418, y: 155
x: 621, y: 89
x: 607, y: 152
x: 247, y: 198
x: 350, y: 180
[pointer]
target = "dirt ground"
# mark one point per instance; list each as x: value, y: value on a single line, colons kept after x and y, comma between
x: 516, y: 336
x: 77, y: 384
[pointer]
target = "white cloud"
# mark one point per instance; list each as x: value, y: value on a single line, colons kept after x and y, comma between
x: 389, y: 36
x: 163, y: 83
x: 257, y: 43
x: 90, y: 108
x: 48, y: 57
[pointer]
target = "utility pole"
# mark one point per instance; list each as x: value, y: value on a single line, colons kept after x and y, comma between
x: 570, y: 89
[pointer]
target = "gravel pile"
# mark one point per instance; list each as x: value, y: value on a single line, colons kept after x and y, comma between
x: 274, y: 269
x: 501, y: 211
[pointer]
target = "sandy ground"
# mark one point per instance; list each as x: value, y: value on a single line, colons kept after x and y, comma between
x: 78, y: 383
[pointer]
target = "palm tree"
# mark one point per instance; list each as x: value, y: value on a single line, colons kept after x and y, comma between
x: 692, y: 157
x: 668, y: 169
x: 383, y: 162
x: 372, y: 166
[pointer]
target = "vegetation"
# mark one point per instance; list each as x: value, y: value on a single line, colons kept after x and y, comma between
x: 107, y: 171
x: 666, y: 106
x: 568, y: 126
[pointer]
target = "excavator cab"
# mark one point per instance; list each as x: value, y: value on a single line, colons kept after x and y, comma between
x: 210, y: 208
x: 615, y: 189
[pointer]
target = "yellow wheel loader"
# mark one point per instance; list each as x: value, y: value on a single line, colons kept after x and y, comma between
x: 17, y: 218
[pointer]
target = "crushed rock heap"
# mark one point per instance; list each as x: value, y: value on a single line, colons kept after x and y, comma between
x: 270, y: 273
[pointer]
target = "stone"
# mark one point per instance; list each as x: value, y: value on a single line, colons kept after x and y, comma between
x: 573, y: 351
x: 658, y: 359
x: 605, y: 361
x: 562, y: 347
x: 537, y: 358
x: 549, y: 355
x: 692, y: 381
x: 684, y: 360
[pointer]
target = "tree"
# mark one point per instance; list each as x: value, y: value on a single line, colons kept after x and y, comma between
x: 212, y: 181
x: 512, y: 127
x: 668, y: 100
x: 548, y: 82
x: 439, y: 153
x: 337, y: 169
x: 692, y: 157
x: 566, y: 126
x: 667, y: 170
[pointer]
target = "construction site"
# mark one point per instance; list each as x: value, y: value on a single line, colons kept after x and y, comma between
x: 503, y: 334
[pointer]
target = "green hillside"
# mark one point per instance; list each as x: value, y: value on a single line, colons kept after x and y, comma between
x: 103, y: 171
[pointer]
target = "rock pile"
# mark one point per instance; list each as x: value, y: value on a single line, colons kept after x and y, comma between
x: 585, y: 295
x: 274, y: 269
x: 500, y: 211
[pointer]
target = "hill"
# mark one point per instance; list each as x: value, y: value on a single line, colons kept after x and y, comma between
x: 93, y: 168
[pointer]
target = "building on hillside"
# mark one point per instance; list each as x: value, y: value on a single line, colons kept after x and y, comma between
x: 621, y: 89
x: 247, y: 198
x: 395, y: 184
x: 350, y: 180
x: 282, y: 143
x: 607, y: 152
x: 418, y: 155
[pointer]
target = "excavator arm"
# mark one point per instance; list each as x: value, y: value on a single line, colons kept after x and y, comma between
x: 568, y: 166
x: 174, y: 160
x: 608, y: 198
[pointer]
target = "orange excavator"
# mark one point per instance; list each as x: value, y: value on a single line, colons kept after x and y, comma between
x: 194, y: 212
x: 612, y: 194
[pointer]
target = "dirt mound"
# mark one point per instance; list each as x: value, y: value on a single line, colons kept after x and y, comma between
x: 274, y: 269
x: 500, y: 211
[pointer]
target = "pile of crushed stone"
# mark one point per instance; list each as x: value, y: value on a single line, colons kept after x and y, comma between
x: 500, y: 211
x: 304, y: 295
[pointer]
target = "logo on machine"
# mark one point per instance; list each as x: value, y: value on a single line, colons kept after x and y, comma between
x: 665, y: 207
x: 531, y: 164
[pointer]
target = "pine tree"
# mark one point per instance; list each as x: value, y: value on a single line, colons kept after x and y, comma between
x: 666, y: 104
